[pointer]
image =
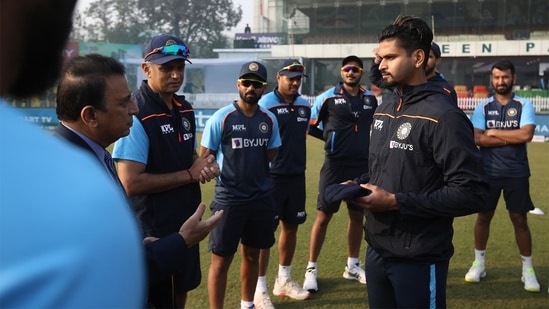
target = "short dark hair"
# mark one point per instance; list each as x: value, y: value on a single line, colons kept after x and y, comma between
x: 83, y: 82
x: 47, y: 25
x: 504, y: 65
x: 411, y: 32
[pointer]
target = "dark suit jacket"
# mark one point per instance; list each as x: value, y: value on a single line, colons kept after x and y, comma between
x: 164, y: 256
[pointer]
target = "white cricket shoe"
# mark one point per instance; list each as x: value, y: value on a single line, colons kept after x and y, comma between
x: 476, y: 272
x: 355, y: 273
x: 290, y: 289
x: 531, y: 284
x: 310, y: 283
x: 263, y: 301
x: 537, y: 211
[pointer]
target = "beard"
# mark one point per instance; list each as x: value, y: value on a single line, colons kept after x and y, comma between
x: 250, y: 99
x: 49, y: 28
x: 429, y: 70
x: 353, y: 83
x: 505, y: 91
x: 387, y: 84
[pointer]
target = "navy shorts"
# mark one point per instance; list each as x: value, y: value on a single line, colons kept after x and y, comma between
x: 516, y: 193
x: 330, y: 174
x: 289, y: 197
x: 252, y: 224
x: 394, y: 284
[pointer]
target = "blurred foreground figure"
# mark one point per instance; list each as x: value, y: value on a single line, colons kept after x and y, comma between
x: 68, y: 238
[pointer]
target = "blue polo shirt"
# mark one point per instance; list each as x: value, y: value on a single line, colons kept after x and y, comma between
x: 241, y: 145
x: 293, y: 121
x: 510, y: 160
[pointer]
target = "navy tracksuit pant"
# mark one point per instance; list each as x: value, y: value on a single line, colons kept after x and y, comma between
x: 404, y: 284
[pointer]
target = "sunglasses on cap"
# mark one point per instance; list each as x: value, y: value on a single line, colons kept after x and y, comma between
x: 255, y: 83
x: 171, y: 50
x: 351, y: 68
x: 295, y: 67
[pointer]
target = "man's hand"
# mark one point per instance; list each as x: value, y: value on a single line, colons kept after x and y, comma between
x: 194, y: 229
x: 377, y: 58
x: 377, y: 201
x: 205, y: 167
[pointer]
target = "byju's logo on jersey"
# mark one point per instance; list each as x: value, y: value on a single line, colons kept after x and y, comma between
x: 495, y: 124
x: 263, y: 127
x: 399, y: 145
x: 166, y: 128
x: 378, y: 125
x: 237, y: 143
x: 187, y: 136
x: 240, y: 143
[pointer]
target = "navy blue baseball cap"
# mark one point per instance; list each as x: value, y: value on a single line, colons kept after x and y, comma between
x: 352, y: 58
x: 254, y: 68
x: 436, y: 49
x: 291, y: 68
x: 165, y: 48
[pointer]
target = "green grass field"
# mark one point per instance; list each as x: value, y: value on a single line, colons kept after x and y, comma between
x: 501, y: 288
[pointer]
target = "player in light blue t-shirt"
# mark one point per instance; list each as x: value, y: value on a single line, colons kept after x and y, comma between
x: 244, y: 138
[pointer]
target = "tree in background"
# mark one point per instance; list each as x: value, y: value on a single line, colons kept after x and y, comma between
x: 200, y: 23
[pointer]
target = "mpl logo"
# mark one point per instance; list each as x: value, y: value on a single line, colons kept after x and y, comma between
x: 166, y: 128
x: 282, y: 111
x: 339, y: 101
x: 493, y: 113
x: 239, y: 127
x: 378, y: 124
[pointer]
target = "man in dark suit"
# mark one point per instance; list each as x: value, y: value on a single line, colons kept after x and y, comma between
x: 95, y: 109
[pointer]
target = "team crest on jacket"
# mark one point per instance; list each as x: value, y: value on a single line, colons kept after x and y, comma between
x: 186, y: 123
x: 301, y: 112
x: 512, y: 112
x: 404, y: 130
x: 263, y: 127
